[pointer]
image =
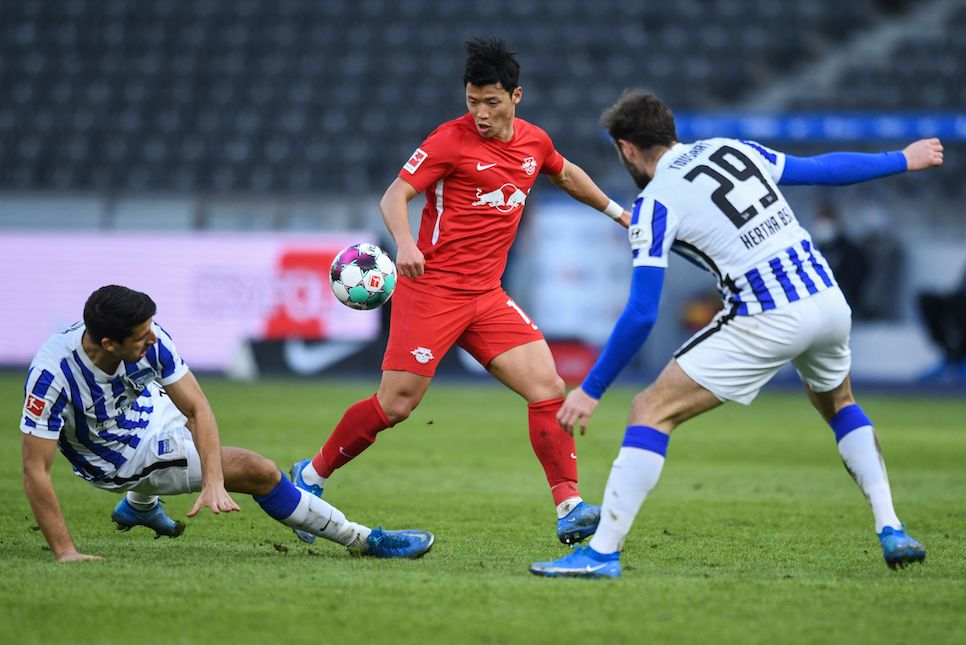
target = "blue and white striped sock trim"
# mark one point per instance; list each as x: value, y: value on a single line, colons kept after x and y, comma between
x: 848, y: 419
x: 646, y: 438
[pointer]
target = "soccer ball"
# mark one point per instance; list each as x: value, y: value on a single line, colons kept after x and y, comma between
x: 363, y: 276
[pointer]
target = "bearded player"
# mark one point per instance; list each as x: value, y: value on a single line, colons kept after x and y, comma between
x: 476, y: 172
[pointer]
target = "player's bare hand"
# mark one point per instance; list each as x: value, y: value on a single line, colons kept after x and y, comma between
x: 76, y: 556
x: 216, y: 498
x: 922, y: 154
x: 410, y: 261
x: 576, y: 410
x: 625, y: 219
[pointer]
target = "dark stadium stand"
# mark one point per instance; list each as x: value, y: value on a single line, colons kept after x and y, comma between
x: 297, y: 96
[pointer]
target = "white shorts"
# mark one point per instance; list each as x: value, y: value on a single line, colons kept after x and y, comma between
x: 735, y: 356
x: 166, y: 461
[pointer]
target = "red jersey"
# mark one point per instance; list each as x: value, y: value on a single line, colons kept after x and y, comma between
x: 475, y: 192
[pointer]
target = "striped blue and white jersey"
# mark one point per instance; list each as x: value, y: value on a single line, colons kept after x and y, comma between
x: 716, y: 203
x: 97, y: 419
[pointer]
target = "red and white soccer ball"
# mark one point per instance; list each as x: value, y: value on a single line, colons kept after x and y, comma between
x: 363, y: 276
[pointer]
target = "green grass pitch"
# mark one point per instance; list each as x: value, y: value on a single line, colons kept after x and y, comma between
x: 755, y: 534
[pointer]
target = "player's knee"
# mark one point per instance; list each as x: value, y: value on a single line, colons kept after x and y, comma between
x: 263, y: 472
x: 398, y: 408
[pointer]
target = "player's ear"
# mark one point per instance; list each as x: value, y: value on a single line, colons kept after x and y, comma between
x: 108, y: 345
x: 516, y: 95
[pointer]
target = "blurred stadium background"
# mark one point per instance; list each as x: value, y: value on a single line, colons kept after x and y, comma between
x: 217, y: 153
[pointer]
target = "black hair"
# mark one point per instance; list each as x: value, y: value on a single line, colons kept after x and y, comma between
x: 114, y: 311
x: 642, y: 119
x: 488, y: 62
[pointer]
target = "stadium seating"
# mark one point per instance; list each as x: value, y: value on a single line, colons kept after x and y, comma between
x: 300, y: 96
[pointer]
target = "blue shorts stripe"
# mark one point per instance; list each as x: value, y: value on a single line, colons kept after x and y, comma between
x: 646, y: 438
x: 848, y: 419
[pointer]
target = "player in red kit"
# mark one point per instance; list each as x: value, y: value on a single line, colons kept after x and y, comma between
x: 476, y: 172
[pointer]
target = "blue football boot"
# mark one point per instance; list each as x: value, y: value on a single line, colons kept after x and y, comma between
x: 583, y: 562
x: 126, y: 516
x: 295, y: 474
x: 578, y: 524
x: 407, y: 543
x: 900, y: 549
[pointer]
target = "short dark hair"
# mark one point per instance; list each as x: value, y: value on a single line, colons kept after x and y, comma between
x: 114, y: 311
x: 488, y: 62
x: 642, y: 119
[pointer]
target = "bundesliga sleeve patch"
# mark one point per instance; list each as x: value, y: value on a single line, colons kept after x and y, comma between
x: 415, y: 161
x: 35, y: 405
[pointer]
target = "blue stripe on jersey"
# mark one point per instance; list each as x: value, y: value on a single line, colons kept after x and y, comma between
x: 800, y: 270
x: 81, y: 466
x: 117, y: 386
x: 658, y: 228
x: 819, y: 269
x: 126, y: 424
x: 127, y: 439
x: 167, y: 360
x: 56, y: 421
x: 152, y: 357
x: 636, y: 211
x: 80, y: 421
x: 29, y: 422
x: 782, y: 277
x: 42, y: 384
x: 770, y: 156
x: 760, y: 290
x: 97, y: 394
x: 26, y: 381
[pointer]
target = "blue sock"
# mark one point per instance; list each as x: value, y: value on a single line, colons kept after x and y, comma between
x: 848, y: 419
x: 282, y: 500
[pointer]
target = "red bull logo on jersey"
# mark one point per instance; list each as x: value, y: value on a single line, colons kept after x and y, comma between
x: 529, y: 165
x: 505, y: 199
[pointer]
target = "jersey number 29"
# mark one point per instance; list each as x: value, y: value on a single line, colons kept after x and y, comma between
x: 724, y: 157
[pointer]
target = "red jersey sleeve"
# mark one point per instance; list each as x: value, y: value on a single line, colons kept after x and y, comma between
x: 553, y: 162
x: 434, y: 158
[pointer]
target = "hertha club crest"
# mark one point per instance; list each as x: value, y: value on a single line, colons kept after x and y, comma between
x: 529, y: 165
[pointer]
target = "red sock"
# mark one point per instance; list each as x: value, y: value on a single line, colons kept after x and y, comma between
x: 555, y: 449
x: 355, y: 432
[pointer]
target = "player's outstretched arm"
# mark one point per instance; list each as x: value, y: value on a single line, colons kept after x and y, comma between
x: 845, y: 168
x: 395, y: 213
x: 922, y: 154
x: 38, y: 456
x: 187, y: 395
x: 574, y: 181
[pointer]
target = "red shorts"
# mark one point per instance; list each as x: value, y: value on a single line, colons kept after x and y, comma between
x: 423, y: 326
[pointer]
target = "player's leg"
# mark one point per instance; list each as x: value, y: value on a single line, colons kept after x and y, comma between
x: 859, y: 448
x: 422, y: 329
x: 248, y: 472
x: 529, y: 370
x: 672, y: 399
x: 824, y: 368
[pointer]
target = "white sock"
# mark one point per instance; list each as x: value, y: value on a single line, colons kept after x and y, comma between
x: 634, y: 473
x: 318, y: 517
x: 141, y: 502
x: 311, y: 477
x: 564, y: 507
x: 860, y: 452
